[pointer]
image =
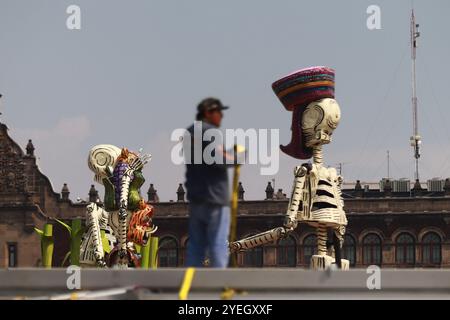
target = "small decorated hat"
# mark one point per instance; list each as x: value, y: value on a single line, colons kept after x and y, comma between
x: 295, y: 92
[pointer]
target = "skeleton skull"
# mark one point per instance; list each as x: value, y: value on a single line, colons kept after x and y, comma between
x: 319, y: 120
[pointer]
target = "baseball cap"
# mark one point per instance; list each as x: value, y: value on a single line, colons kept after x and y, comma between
x: 210, y: 104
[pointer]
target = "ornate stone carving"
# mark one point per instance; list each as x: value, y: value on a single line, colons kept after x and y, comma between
x: 12, y: 167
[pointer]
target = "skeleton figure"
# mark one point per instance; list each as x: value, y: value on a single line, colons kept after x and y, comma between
x: 316, y: 195
x: 126, y: 215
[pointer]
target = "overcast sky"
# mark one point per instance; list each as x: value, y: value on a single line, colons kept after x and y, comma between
x: 136, y: 70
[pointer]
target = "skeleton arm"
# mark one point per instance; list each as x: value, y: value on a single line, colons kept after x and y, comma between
x: 340, y: 231
x: 137, y: 164
x: 96, y: 219
x: 258, y: 239
x: 299, y: 194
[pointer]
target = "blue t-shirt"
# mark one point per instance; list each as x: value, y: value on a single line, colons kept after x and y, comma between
x: 206, y: 183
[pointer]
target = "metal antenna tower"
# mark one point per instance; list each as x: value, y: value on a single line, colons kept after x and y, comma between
x: 415, y: 138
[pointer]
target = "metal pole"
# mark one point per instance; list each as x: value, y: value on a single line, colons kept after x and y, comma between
x: 234, y: 209
x: 415, y: 139
x: 388, y: 164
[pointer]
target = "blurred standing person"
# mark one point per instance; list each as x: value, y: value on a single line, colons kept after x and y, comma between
x: 208, y: 194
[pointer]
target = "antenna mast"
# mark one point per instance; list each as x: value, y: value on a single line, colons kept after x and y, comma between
x: 415, y: 138
x: 0, y: 103
x: 388, y: 165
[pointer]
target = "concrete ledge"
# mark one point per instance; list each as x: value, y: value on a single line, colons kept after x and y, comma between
x: 266, y: 282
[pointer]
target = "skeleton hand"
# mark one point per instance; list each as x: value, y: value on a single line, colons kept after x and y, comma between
x: 340, y: 233
x: 290, y: 223
x: 139, y: 162
x: 300, y: 171
x: 122, y: 254
x: 101, y: 263
x: 99, y: 260
x: 340, y: 181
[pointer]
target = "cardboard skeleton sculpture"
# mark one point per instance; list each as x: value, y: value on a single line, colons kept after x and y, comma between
x: 124, y: 213
x: 316, y: 195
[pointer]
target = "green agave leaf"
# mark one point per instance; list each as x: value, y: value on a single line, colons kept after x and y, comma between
x: 105, y: 242
x: 39, y: 232
x: 138, y: 248
x: 66, y: 257
x: 80, y: 231
x: 69, y: 228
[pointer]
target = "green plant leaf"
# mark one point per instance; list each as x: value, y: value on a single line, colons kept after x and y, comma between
x: 105, y: 242
x: 69, y: 228
x: 81, y: 231
x: 65, y: 258
x: 138, y: 248
x: 39, y: 232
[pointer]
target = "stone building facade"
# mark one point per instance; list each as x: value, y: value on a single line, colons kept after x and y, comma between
x: 391, y: 229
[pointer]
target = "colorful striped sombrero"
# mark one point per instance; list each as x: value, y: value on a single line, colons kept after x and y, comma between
x: 305, y: 86
x: 295, y: 92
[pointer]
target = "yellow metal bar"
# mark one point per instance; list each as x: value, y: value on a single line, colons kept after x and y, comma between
x: 186, y: 285
x: 234, y: 211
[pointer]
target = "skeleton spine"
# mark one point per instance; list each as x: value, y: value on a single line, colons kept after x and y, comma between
x: 124, y: 188
x: 318, y: 155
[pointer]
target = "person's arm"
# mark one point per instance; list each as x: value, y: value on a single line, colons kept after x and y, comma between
x: 232, y: 157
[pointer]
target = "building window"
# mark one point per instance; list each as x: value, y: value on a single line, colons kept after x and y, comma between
x: 405, y: 249
x: 349, y: 249
x: 372, y: 249
x: 183, y: 254
x: 168, y: 252
x: 287, y: 252
x: 254, y: 257
x: 309, y: 248
x: 12, y: 255
x: 431, y: 249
